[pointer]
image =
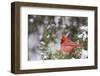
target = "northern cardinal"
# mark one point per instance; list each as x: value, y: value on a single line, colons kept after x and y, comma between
x: 66, y: 45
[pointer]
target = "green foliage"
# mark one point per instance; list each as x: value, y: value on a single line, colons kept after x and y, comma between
x: 49, y: 35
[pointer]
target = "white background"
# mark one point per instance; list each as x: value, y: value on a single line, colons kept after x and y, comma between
x: 5, y: 42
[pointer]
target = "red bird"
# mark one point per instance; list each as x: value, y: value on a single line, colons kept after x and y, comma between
x: 67, y: 45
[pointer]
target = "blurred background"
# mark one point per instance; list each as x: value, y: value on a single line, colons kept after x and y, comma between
x: 45, y: 36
